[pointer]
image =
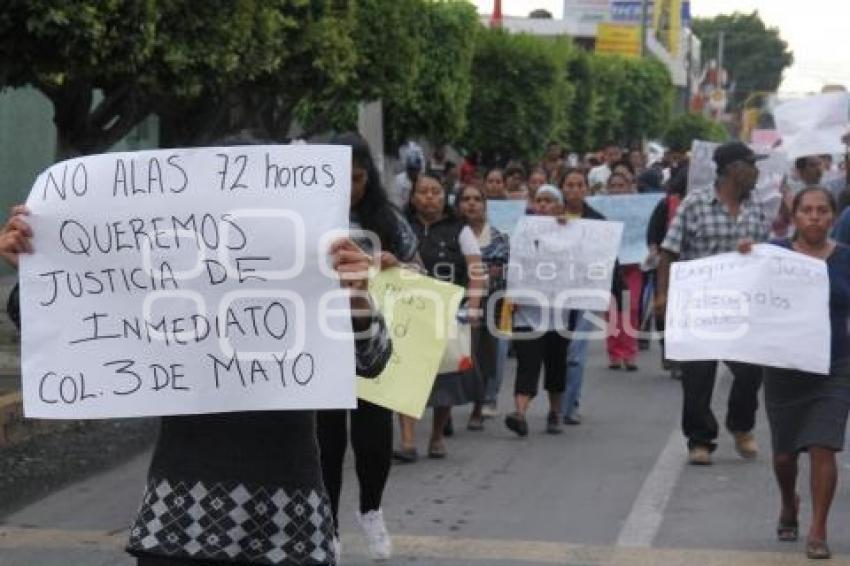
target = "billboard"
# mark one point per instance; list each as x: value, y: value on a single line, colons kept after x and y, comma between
x: 618, y: 39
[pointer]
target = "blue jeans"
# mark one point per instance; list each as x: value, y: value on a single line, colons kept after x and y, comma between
x: 491, y: 395
x: 576, y: 360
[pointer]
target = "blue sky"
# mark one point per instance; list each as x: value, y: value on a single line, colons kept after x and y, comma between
x: 817, y: 31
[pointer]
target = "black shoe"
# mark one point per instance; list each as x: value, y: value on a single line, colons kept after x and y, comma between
x: 405, y: 455
x: 449, y: 429
x: 615, y: 365
x: 553, y: 424
x: 516, y: 423
x: 631, y: 367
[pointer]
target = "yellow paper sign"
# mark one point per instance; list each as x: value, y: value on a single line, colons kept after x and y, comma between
x: 419, y: 312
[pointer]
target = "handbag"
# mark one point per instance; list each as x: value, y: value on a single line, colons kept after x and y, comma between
x: 457, y: 357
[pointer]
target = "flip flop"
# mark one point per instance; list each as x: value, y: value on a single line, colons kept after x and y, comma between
x: 437, y: 450
x: 787, y: 531
x: 817, y: 550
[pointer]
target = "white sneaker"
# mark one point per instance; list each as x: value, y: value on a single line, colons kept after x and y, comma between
x: 489, y: 411
x: 380, y: 545
x: 336, y: 546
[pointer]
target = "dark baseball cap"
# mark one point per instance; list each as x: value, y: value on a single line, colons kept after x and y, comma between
x: 730, y: 152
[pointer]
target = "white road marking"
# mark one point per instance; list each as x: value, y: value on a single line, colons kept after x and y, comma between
x: 647, y: 513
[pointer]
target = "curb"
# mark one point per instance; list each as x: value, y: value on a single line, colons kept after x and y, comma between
x: 14, y: 427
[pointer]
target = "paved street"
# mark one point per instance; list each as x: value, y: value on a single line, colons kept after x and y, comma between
x: 614, y: 490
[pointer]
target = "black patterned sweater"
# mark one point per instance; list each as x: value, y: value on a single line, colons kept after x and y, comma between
x: 243, y: 487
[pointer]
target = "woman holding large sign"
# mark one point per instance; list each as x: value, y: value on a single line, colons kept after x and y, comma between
x: 540, y: 341
x: 242, y: 487
x: 807, y: 412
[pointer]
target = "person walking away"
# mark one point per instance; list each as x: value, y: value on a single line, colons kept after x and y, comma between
x: 709, y: 223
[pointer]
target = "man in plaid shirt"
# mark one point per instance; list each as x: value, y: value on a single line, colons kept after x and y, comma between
x: 709, y: 223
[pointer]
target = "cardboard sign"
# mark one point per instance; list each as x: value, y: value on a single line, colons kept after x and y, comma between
x: 187, y: 281
x: 420, y: 313
x: 769, y: 307
x: 563, y: 266
x: 634, y: 211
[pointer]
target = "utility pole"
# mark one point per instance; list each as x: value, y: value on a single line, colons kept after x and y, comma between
x: 720, y: 49
x: 644, y: 13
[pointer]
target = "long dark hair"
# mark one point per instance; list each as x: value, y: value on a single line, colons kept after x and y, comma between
x: 374, y: 211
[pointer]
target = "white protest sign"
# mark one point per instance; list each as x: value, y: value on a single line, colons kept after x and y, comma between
x: 769, y: 307
x: 813, y: 125
x: 634, y: 211
x: 187, y: 281
x: 567, y: 266
x: 702, y: 171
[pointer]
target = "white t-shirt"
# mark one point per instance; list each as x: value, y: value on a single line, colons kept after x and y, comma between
x: 468, y: 242
x: 598, y: 177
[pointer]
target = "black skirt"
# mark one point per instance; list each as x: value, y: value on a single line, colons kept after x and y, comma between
x: 806, y: 410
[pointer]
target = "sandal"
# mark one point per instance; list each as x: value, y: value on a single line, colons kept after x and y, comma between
x: 406, y: 455
x: 789, y: 530
x: 437, y: 450
x: 475, y: 423
x: 817, y: 550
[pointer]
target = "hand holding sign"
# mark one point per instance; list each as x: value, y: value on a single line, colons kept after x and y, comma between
x: 16, y: 236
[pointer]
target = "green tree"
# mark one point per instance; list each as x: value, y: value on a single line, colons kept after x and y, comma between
x: 626, y: 100
x: 646, y: 100
x: 754, y: 54
x: 521, y: 95
x: 581, y: 108
x: 88, y: 58
x: 436, y: 105
x: 207, y: 68
x: 249, y: 64
x: 607, y: 76
x: 686, y: 128
x: 387, y: 64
